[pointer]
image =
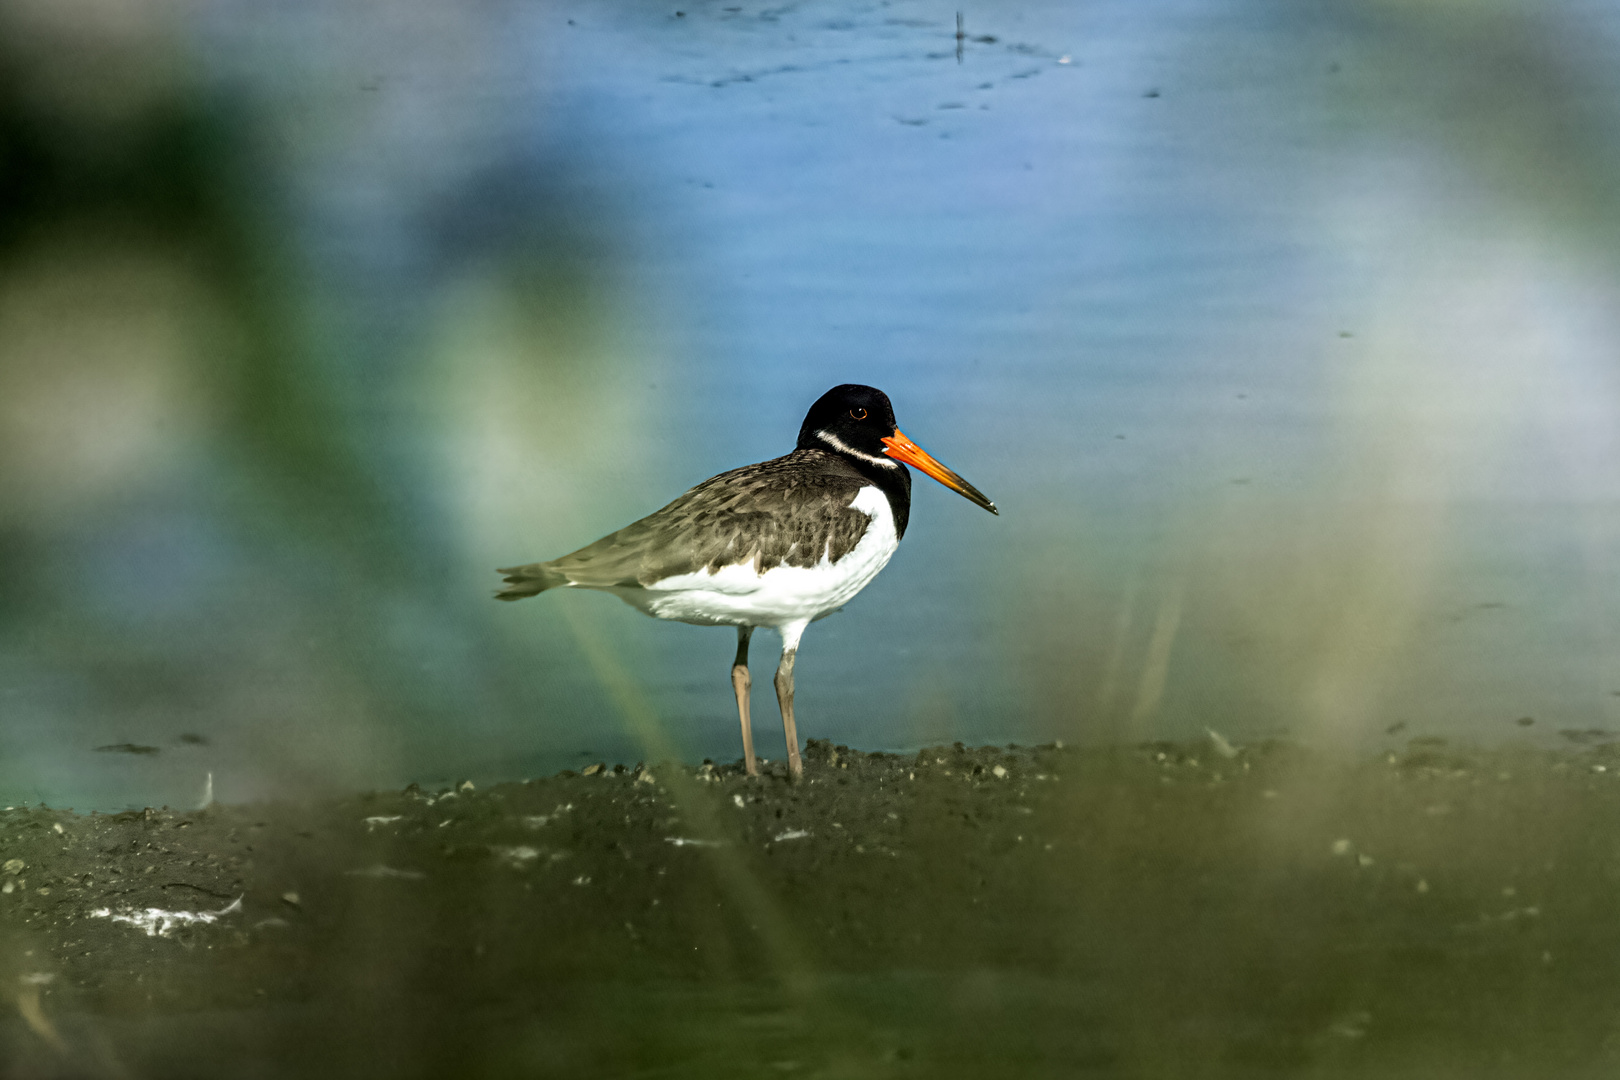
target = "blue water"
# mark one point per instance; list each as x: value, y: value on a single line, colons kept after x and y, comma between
x: 1297, y: 395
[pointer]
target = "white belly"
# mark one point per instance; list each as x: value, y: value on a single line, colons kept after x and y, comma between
x: 741, y: 596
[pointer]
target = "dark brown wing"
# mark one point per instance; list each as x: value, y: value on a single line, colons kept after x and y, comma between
x: 790, y: 511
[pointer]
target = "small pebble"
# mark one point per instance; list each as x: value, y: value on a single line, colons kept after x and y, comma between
x: 290, y: 898
x: 1000, y: 772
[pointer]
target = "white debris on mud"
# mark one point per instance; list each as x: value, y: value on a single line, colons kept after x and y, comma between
x: 516, y: 855
x: 1222, y: 745
x: 159, y: 922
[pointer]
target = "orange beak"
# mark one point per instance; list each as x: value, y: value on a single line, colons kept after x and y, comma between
x: 903, y: 449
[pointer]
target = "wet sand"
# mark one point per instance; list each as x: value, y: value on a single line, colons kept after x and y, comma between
x: 1164, y: 910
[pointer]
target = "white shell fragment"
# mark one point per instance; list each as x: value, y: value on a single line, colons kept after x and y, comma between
x: 159, y: 922
x: 1221, y: 745
x: 517, y: 855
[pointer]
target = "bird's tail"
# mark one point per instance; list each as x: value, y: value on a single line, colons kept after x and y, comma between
x: 531, y: 580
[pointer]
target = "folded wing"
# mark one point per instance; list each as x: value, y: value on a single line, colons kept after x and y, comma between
x: 797, y: 513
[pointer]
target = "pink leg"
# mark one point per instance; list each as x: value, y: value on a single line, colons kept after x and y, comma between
x: 784, y: 695
x: 741, y: 683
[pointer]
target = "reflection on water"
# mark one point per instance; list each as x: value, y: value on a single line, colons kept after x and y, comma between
x: 1283, y: 341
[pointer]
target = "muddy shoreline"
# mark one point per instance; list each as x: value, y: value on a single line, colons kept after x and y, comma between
x: 1166, y: 909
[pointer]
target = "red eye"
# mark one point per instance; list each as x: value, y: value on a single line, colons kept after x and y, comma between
x: 857, y: 414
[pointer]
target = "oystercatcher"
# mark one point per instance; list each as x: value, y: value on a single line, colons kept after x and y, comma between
x: 779, y: 544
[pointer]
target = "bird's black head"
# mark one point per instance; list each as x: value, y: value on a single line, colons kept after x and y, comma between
x: 851, y: 420
x: 857, y: 423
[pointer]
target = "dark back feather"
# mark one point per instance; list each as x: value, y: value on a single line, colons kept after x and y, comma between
x: 790, y: 511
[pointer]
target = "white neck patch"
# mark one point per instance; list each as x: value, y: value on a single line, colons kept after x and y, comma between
x: 844, y: 448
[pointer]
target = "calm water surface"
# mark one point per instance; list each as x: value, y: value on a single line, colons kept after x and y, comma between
x: 1284, y: 341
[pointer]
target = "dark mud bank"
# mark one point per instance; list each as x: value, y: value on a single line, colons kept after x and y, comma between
x: 1163, y: 909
